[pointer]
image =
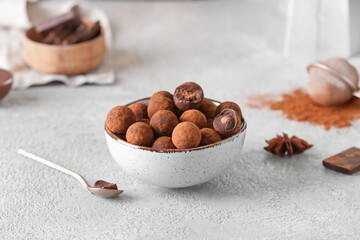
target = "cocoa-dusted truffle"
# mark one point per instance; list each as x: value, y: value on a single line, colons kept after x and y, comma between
x: 144, y: 120
x: 186, y: 135
x: 209, y: 136
x: 119, y: 119
x: 140, y: 134
x: 194, y: 116
x: 162, y: 94
x: 208, y: 108
x: 210, y: 123
x: 160, y: 103
x: 162, y: 143
x: 227, y: 123
x: 140, y: 110
x: 188, y: 95
x: 230, y: 105
x: 163, y: 122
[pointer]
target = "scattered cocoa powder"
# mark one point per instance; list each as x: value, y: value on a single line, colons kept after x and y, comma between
x: 298, y: 106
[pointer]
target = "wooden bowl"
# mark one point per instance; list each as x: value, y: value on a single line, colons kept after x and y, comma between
x: 63, y: 59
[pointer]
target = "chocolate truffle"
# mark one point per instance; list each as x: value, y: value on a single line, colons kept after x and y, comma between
x: 188, y: 95
x: 227, y: 123
x: 208, y: 108
x: 119, y: 119
x: 186, y: 135
x: 140, y: 134
x: 230, y: 105
x: 160, y: 103
x: 163, y: 122
x: 194, y: 116
x: 140, y: 110
x: 209, y: 136
x: 162, y: 94
x: 163, y: 143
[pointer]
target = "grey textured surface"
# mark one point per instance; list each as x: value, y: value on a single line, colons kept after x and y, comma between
x: 231, y: 49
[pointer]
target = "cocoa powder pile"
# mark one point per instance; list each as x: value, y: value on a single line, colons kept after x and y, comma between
x: 298, y: 106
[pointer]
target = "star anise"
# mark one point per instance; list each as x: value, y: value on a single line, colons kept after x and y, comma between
x: 283, y: 144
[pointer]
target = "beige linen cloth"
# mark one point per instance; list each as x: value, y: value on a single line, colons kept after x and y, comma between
x: 21, y: 14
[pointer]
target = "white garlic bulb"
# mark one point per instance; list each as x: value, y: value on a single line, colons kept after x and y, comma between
x: 332, y: 81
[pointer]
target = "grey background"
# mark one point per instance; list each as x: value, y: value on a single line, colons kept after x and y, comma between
x: 232, y: 49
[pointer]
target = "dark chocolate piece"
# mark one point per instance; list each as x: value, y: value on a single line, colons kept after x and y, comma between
x: 73, y: 24
x: 50, y: 37
x: 56, y: 21
x: 76, y: 36
x: 346, y: 162
x: 91, y: 32
x: 105, y: 185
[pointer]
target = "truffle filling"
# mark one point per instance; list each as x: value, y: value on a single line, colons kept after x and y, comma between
x: 188, y: 94
x: 226, y: 120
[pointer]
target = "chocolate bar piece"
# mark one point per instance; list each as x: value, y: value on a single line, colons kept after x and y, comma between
x: 55, y: 21
x: 91, y: 32
x: 76, y: 36
x: 346, y: 162
x: 50, y: 37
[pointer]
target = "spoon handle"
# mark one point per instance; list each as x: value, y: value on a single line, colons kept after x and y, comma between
x: 55, y: 166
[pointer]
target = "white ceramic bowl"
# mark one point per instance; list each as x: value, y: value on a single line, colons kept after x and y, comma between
x: 176, y: 168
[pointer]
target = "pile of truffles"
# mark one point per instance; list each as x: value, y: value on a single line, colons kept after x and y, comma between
x: 183, y: 120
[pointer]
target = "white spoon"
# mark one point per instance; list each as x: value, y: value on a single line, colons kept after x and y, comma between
x: 108, y: 193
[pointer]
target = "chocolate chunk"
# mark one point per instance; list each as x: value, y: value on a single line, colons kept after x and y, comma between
x: 50, y: 37
x: 91, y: 32
x: 76, y: 36
x: 56, y: 21
x: 105, y: 185
x: 346, y: 162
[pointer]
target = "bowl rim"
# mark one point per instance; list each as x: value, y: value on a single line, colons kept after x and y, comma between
x: 102, y: 34
x: 243, y: 127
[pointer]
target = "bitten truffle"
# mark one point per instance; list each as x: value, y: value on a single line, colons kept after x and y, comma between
x: 160, y: 103
x: 186, y: 135
x: 227, y: 123
x: 163, y: 143
x: 209, y: 136
x: 208, y: 108
x: 140, y: 110
x: 119, y: 119
x: 194, y: 116
x: 140, y: 134
x: 188, y: 95
x: 162, y: 94
x: 230, y: 105
x: 163, y: 122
